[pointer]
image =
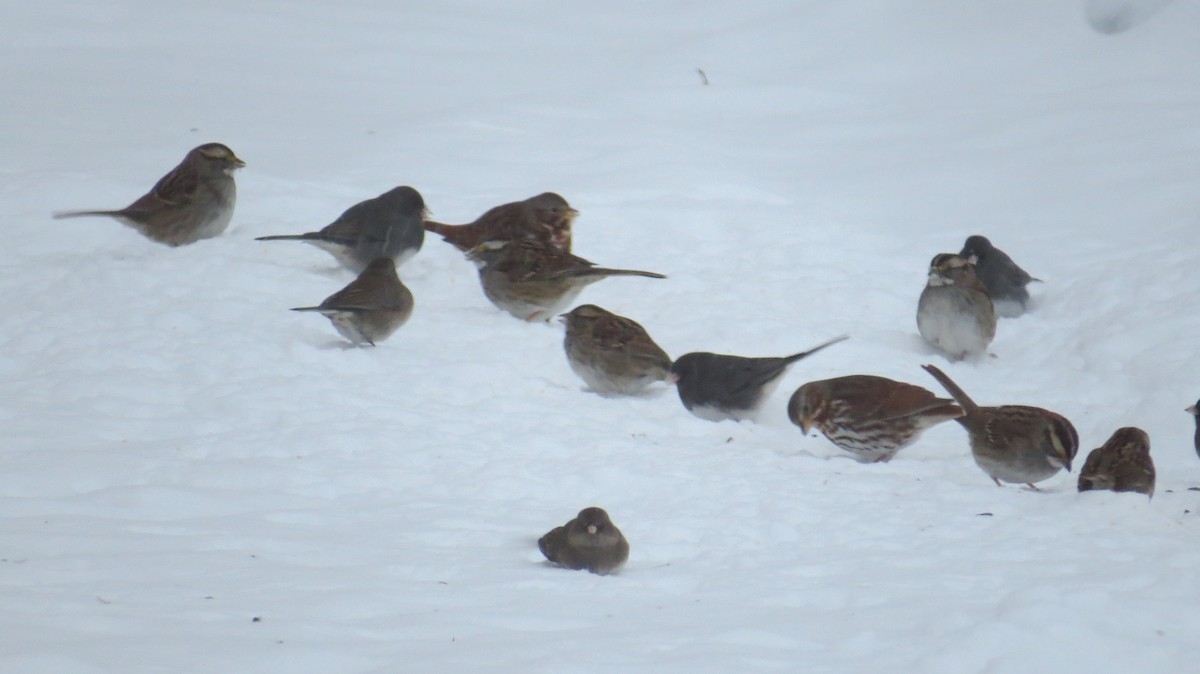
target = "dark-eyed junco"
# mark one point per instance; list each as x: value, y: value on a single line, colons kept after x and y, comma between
x: 1004, y: 280
x: 613, y: 354
x: 546, y: 217
x: 870, y: 417
x: 533, y: 280
x: 716, y: 387
x: 193, y: 201
x: 389, y: 225
x: 590, y: 541
x: 1014, y: 443
x: 955, y: 313
x: 1121, y: 464
x: 1194, y: 410
x: 371, y: 307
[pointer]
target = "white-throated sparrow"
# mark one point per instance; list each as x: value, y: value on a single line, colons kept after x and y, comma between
x: 955, y: 313
x: 371, y: 307
x: 590, y: 541
x: 533, y: 280
x: 389, y: 225
x: 716, y: 387
x: 870, y: 417
x: 1121, y: 464
x: 1004, y: 280
x: 546, y: 217
x: 193, y: 201
x: 613, y: 354
x: 1014, y: 443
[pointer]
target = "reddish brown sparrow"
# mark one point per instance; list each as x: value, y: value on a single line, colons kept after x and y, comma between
x: 590, y: 541
x: 955, y: 313
x: 387, y: 226
x: 1004, y: 280
x: 371, y: 307
x: 533, y: 280
x: 870, y: 417
x: 1122, y: 464
x: 613, y: 354
x: 546, y: 217
x: 1014, y: 443
x: 193, y: 201
x: 716, y: 387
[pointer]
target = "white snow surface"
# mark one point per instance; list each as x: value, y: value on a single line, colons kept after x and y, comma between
x: 195, y: 479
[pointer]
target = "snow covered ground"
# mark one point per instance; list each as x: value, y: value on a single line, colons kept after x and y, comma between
x: 194, y: 479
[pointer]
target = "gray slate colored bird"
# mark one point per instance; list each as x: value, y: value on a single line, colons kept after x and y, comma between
x: 1123, y: 463
x: 371, y: 307
x: 716, y: 387
x: 1004, y: 279
x: 614, y: 355
x: 1194, y: 410
x: 1014, y: 443
x: 389, y: 225
x: 533, y: 280
x: 193, y: 201
x: 954, y: 313
x: 590, y: 541
x: 870, y: 417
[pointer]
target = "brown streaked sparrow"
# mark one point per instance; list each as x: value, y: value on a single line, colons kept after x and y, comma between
x: 533, y: 280
x: 590, y: 541
x: 193, y: 201
x: 546, y: 217
x: 870, y: 417
x: 611, y: 353
x: 1014, y: 443
x: 1121, y: 464
x: 955, y: 313
x: 1004, y: 280
x: 388, y: 225
x: 371, y: 307
x: 716, y: 387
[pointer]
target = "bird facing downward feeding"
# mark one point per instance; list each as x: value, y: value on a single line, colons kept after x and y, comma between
x: 1121, y: 464
x: 388, y: 225
x: 955, y: 313
x: 1194, y: 410
x: 1014, y: 443
x: 533, y: 280
x: 613, y: 354
x: 193, y: 201
x: 371, y: 307
x: 590, y: 541
x: 546, y: 217
x: 716, y: 387
x: 1004, y: 280
x: 870, y: 417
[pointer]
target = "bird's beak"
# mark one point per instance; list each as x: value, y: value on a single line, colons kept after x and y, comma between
x: 672, y: 379
x: 562, y: 318
x: 1191, y: 410
x: 591, y: 529
x: 238, y: 162
x: 806, y: 424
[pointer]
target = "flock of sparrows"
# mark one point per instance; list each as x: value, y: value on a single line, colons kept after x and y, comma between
x: 523, y: 254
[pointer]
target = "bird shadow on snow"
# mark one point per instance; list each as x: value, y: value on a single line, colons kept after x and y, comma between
x: 1110, y: 17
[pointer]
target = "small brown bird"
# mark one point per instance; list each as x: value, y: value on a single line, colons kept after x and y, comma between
x: 1014, y: 443
x: 371, y: 307
x: 193, y: 201
x: 716, y: 386
x: 590, y: 541
x: 1122, y: 464
x: 955, y: 313
x: 546, y: 217
x: 870, y: 417
x: 533, y: 280
x: 613, y: 354
x: 1194, y: 410
x: 388, y: 225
